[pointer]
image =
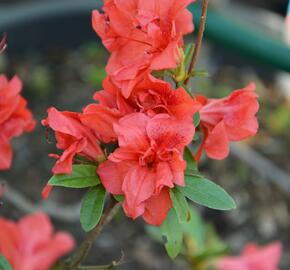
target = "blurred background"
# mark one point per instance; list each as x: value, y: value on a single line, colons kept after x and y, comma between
x: 52, y: 47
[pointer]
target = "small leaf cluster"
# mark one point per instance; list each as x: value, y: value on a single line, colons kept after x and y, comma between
x: 85, y: 176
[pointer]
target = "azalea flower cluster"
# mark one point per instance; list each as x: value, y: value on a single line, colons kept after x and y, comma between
x: 15, y: 117
x: 146, y: 120
x: 31, y: 244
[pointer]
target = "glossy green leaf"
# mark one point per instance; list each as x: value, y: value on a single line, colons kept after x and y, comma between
x: 82, y: 176
x: 180, y: 205
x: 4, y: 264
x: 172, y: 234
x: 191, y: 167
x: 207, y: 193
x: 92, y: 207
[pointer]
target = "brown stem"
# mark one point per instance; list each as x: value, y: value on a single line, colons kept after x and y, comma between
x: 199, y: 39
x: 112, y: 265
x: 83, y: 250
x: 3, y: 43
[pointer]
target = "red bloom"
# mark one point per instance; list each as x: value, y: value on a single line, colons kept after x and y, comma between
x: 151, y: 96
x: 101, y: 117
x: 254, y: 258
x: 15, y: 118
x: 228, y: 119
x: 142, y: 36
x: 31, y: 243
x: 147, y: 163
x: 72, y: 137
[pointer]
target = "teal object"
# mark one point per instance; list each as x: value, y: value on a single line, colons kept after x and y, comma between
x: 239, y: 38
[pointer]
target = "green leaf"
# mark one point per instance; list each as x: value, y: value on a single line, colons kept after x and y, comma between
x: 82, y: 176
x: 207, y: 193
x: 195, y: 230
x: 172, y: 234
x: 196, y: 119
x: 180, y: 205
x: 188, y: 53
x: 199, y: 73
x: 4, y: 264
x: 92, y: 207
x: 119, y: 198
x: 191, y: 167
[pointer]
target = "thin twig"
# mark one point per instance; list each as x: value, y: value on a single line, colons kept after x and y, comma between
x: 57, y: 211
x: 104, y: 267
x: 3, y: 44
x: 199, y: 39
x: 83, y: 250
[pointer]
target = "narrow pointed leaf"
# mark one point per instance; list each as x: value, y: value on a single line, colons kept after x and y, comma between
x: 207, y: 193
x: 196, y: 119
x: 82, y: 176
x: 180, y: 205
x: 188, y: 53
x: 92, y: 207
x: 190, y: 162
x: 172, y: 234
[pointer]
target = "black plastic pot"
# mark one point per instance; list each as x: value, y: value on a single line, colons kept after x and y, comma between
x: 67, y: 24
x: 47, y: 24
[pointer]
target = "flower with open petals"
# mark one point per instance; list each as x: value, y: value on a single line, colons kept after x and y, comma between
x: 254, y: 258
x: 142, y: 36
x: 31, y: 244
x: 15, y: 118
x: 72, y: 137
x: 148, y: 162
x: 232, y: 118
x: 111, y: 107
x: 151, y: 96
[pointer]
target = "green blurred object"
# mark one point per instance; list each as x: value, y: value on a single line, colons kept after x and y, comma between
x: 242, y: 39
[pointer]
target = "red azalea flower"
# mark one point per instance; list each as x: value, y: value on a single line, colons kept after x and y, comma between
x: 228, y: 119
x: 142, y: 36
x: 254, y: 258
x: 151, y: 96
x: 31, y: 243
x: 72, y: 137
x: 147, y: 163
x: 15, y: 118
x: 101, y: 117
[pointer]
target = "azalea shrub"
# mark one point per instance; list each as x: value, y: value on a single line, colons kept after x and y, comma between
x: 137, y: 145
